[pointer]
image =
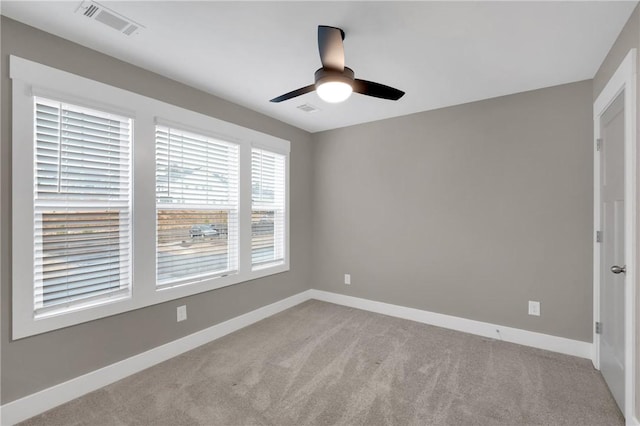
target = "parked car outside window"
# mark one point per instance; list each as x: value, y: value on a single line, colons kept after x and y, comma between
x: 202, y: 231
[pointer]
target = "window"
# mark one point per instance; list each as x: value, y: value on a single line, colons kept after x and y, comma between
x: 197, y: 206
x: 115, y: 208
x: 82, y: 205
x: 267, y: 208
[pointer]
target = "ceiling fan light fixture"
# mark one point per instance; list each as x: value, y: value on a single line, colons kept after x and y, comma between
x: 334, y: 91
x: 334, y: 86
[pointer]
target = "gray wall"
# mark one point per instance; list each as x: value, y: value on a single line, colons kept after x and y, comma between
x: 629, y: 38
x: 469, y: 211
x: 37, y: 362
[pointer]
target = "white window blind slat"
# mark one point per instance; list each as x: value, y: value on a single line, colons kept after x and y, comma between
x: 196, y: 205
x: 82, y: 206
x: 60, y: 261
x: 83, y: 276
x: 106, y: 290
x: 267, y: 208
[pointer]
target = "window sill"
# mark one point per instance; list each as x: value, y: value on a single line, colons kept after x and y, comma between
x: 57, y: 320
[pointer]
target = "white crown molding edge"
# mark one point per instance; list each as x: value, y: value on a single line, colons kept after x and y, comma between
x: 46, y: 399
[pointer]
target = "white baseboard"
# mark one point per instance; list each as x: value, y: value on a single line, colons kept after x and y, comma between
x: 39, y: 402
x: 513, y: 335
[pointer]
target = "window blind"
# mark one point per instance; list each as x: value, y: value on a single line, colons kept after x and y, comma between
x: 267, y: 208
x: 82, y: 206
x: 197, y: 206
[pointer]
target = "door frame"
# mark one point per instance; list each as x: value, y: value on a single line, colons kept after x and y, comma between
x: 623, y: 80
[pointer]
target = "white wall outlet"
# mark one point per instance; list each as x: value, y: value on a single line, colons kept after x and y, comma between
x: 347, y: 279
x: 182, y: 313
x: 534, y: 308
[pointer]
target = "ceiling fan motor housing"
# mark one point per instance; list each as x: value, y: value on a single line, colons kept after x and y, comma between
x: 325, y: 75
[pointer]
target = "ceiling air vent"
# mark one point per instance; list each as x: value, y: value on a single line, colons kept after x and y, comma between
x: 90, y: 10
x: 308, y: 108
x: 100, y: 13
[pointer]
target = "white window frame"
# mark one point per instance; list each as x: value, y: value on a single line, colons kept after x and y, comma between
x: 107, y: 298
x: 160, y: 206
x: 276, y: 150
x: 31, y: 78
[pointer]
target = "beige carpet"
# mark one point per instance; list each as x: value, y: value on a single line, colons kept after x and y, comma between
x: 323, y: 364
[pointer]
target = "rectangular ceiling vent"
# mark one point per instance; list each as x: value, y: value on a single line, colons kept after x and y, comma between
x: 308, y: 108
x: 97, y: 12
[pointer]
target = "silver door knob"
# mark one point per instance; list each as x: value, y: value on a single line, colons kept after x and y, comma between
x: 618, y: 269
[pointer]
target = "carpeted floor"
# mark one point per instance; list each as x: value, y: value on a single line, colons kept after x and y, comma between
x: 324, y: 364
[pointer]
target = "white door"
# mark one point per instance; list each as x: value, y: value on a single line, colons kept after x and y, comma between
x: 612, y: 258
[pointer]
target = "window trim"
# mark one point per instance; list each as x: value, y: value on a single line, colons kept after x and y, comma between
x: 30, y: 79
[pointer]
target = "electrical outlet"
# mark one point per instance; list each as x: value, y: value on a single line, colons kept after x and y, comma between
x: 347, y: 279
x: 182, y: 313
x: 534, y: 308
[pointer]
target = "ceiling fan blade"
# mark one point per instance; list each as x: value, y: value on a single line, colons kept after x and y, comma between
x: 377, y: 90
x: 330, y: 47
x: 294, y: 93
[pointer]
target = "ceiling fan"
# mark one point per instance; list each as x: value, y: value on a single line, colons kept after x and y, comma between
x: 334, y: 82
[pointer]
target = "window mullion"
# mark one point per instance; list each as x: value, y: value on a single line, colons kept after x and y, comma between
x: 245, y: 209
x: 144, y: 209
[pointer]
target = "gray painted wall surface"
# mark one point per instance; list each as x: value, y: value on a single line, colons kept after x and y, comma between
x: 38, y: 362
x: 469, y: 211
x: 629, y: 38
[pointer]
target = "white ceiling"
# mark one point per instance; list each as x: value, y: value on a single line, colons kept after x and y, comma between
x: 440, y: 53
